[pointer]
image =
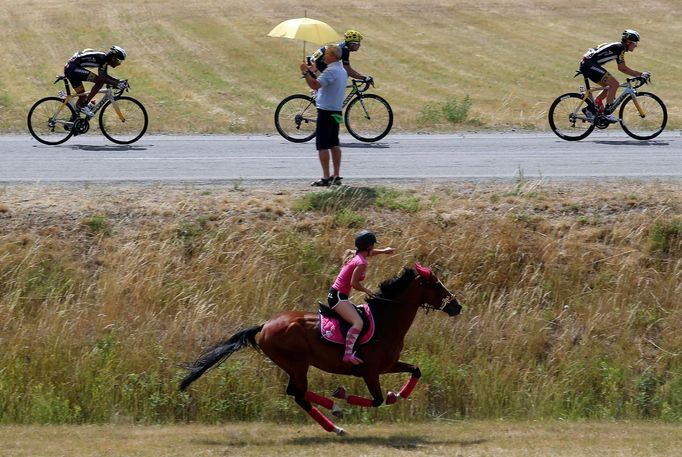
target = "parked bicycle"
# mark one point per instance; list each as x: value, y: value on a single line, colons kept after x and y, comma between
x: 368, y: 117
x: 53, y: 120
x: 642, y: 115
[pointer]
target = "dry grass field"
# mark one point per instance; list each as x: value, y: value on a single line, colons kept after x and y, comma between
x: 211, y: 68
x: 458, y: 439
x: 572, y: 295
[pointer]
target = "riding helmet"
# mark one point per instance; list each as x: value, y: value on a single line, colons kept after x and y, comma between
x: 117, y: 52
x: 365, y: 239
x: 632, y: 35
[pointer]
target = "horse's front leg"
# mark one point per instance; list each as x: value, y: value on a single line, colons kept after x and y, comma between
x: 406, y: 390
x: 374, y: 386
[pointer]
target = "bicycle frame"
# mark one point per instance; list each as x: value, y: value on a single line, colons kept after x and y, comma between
x: 109, y: 96
x: 629, y: 91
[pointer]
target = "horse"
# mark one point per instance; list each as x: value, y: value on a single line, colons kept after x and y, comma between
x: 293, y: 341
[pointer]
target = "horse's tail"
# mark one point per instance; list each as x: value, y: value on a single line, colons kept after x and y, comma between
x: 219, y: 353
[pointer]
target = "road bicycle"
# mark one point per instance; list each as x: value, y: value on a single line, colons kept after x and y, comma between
x: 53, y: 120
x: 368, y: 117
x: 642, y: 115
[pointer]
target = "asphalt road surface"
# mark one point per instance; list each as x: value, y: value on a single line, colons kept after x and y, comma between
x: 250, y: 159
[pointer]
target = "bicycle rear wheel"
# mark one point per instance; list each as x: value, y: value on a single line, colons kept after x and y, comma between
x: 643, y: 127
x: 124, y: 120
x: 296, y: 118
x: 50, y: 121
x: 369, y: 118
x: 566, y: 118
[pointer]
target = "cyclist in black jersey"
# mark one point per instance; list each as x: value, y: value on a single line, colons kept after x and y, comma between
x: 594, y: 58
x: 351, y: 43
x: 77, y: 71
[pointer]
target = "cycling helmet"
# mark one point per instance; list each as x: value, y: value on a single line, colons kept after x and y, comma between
x: 352, y: 36
x: 117, y: 52
x: 631, y: 35
x: 365, y: 239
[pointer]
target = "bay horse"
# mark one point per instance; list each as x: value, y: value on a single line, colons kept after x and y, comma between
x: 292, y: 340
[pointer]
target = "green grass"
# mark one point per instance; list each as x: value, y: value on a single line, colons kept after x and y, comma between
x: 216, y: 71
x: 563, y: 319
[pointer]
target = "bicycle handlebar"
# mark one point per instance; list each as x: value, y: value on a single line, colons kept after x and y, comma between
x: 639, y: 81
x: 363, y: 85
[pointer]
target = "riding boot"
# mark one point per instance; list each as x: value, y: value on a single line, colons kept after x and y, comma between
x: 349, y: 355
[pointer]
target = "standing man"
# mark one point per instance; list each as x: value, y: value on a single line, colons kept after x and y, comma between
x: 331, y: 89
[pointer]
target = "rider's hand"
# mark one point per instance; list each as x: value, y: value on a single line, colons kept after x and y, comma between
x: 122, y: 84
x: 368, y: 79
x: 645, y: 75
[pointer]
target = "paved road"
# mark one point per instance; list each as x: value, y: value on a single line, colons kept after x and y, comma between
x: 399, y: 157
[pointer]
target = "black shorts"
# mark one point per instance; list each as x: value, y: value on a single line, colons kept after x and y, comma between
x: 77, y: 75
x: 334, y: 296
x: 595, y: 72
x: 327, y: 130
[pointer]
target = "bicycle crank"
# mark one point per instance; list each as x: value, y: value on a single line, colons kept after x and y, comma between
x: 81, y: 126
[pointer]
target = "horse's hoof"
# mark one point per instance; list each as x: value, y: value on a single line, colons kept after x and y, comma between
x: 392, y: 398
x: 340, y: 392
x: 337, y: 411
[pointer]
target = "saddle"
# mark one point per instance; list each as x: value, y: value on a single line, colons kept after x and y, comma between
x: 333, y: 327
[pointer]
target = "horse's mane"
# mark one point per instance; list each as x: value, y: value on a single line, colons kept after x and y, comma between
x: 390, y: 288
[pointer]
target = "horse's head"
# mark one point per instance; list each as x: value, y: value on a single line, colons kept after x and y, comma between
x: 436, y: 295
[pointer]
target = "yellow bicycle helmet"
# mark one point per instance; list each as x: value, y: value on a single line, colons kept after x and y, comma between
x: 352, y: 36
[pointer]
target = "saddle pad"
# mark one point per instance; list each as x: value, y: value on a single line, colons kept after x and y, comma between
x: 331, y: 328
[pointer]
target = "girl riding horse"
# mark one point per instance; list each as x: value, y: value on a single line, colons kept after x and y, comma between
x: 350, y: 277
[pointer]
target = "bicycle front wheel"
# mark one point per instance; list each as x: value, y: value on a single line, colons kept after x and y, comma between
x: 296, y: 118
x: 369, y: 118
x: 650, y: 123
x: 566, y: 118
x: 124, y: 120
x: 50, y: 120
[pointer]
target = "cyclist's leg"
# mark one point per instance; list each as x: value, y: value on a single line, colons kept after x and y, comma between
x: 76, y: 76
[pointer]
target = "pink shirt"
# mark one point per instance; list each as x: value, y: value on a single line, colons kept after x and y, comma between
x: 342, y: 283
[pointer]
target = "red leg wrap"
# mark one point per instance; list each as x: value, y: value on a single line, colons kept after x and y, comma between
x: 318, y: 399
x: 321, y: 419
x: 408, y: 387
x: 359, y: 401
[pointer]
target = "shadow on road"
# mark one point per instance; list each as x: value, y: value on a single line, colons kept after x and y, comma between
x: 633, y: 142
x: 107, y: 148
x: 365, y: 145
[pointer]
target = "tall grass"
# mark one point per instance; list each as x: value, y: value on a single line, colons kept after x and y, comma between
x: 215, y: 70
x: 562, y: 319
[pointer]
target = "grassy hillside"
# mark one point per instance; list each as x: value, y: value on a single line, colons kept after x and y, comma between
x: 572, y: 295
x: 210, y: 67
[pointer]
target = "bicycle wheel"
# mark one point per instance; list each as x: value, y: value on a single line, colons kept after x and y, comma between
x: 296, y: 118
x: 651, y: 124
x: 368, y: 118
x: 50, y: 121
x: 124, y: 120
x: 566, y: 118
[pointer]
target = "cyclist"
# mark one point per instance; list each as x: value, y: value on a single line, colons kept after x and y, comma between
x: 77, y: 71
x: 351, y: 43
x: 591, y: 66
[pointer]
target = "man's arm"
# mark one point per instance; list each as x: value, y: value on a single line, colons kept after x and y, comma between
x: 627, y: 70
x: 352, y: 73
x: 309, y: 77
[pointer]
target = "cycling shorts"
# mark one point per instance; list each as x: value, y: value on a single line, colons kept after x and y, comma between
x: 595, y: 72
x: 77, y: 75
x: 327, y: 130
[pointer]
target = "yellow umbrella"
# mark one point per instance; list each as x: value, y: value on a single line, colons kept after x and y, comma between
x: 305, y: 29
